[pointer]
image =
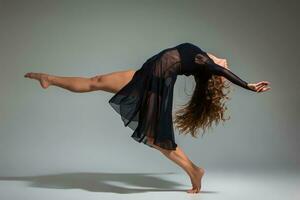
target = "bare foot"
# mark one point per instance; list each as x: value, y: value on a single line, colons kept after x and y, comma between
x: 41, y: 77
x: 196, y: 180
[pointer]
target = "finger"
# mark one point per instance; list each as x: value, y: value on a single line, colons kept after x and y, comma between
x: 260, y: 87
x: 265, y: 82
x: 261, y: 83
x: 258, y: 84
x: 265, y: 89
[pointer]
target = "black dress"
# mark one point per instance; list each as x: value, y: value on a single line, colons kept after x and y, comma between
x: 145, y: 103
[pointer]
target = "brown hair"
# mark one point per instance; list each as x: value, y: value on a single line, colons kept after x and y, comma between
x: 205, y: 106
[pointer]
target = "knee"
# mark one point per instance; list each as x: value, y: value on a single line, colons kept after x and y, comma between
x: 96, y: 82
x: 150, y: 141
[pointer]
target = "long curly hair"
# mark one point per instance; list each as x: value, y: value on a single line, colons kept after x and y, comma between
x: 206, y: 105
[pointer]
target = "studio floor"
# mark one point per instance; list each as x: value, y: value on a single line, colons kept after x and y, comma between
x: 216, y: 185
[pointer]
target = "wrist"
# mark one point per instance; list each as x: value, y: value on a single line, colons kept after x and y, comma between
x: 250, y: 87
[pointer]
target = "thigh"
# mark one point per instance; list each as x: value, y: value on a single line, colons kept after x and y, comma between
x: 114, y: 81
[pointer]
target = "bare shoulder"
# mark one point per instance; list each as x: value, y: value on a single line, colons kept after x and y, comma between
x: 214, y: 57
x: 220, y: 61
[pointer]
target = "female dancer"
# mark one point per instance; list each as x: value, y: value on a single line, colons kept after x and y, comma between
x: 144, y: 98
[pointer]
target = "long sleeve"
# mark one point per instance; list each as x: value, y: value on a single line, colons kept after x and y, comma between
x: 216, y: 69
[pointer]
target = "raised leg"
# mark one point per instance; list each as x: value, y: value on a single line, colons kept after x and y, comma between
x: 180, y: 158
x: 110, y: 82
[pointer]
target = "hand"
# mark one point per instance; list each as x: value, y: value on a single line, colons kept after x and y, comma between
x: 261, y: 86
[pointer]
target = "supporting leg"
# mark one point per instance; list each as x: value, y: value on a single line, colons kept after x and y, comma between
x: 180, y: 158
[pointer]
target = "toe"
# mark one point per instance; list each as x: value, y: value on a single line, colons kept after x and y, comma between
x: 193, y: 190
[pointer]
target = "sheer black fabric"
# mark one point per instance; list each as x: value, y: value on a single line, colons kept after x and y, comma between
x: 145, y: 103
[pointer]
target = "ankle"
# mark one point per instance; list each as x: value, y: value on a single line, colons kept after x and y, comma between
x: 197, y: 170
x: 50, y: 79
x: 192, y: 170
x: 195, y: 167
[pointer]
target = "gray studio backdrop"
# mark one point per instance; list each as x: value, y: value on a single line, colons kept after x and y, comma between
x: 54, y: 130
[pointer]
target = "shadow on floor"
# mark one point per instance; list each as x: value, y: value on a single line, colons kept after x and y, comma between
x: 103, y: 182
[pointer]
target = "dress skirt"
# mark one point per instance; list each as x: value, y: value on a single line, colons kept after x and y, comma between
x: 145, y: 103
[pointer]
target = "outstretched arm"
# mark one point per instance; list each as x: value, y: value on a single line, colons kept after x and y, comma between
x: 229, y: 75
x: 216, y: 69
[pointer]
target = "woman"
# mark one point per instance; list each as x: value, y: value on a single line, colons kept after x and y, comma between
x: 144, y: 98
